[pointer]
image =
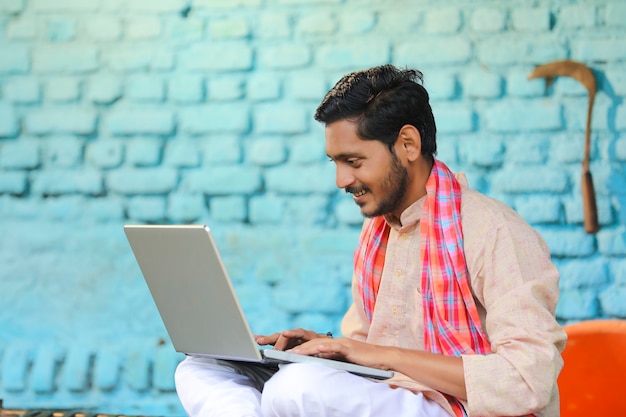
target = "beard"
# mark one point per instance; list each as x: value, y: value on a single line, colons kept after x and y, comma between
x: 394, y: 185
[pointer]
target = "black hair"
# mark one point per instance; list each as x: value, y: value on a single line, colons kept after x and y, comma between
x: 381, y: 100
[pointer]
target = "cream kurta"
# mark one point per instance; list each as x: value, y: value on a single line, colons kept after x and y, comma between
x: 515, y: 286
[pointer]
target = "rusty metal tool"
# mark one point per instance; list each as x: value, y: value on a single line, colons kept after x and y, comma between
x: 584, y: 75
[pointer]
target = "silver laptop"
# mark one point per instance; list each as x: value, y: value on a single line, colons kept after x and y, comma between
x: 197, y: 302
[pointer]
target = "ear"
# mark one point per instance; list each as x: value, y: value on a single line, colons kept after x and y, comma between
x: 409, y: 142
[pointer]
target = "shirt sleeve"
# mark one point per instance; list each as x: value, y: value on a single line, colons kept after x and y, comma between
x: 517, y: 284
x: 355, y: 324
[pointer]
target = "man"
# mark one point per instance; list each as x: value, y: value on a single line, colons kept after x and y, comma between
x: 452, y: 290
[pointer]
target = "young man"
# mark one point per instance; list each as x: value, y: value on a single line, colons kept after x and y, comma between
x: 452, y: 290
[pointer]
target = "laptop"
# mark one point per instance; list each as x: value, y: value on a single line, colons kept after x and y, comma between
x: 193, y: 293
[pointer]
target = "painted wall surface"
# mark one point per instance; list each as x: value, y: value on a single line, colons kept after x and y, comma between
x: 200, y: 111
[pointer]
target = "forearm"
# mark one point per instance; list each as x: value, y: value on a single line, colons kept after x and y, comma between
x: 440, y: 372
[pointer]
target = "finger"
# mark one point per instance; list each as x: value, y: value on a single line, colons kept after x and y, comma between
x: 267, y: 340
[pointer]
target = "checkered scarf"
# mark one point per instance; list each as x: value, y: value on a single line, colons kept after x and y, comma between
x: 451, y: 322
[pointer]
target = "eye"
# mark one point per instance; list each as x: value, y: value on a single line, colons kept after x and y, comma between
x: 354, y: 162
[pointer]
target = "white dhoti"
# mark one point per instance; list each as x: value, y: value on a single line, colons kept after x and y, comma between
x: 209, y: 388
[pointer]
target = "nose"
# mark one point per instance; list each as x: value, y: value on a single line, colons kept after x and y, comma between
x: 343, y: 176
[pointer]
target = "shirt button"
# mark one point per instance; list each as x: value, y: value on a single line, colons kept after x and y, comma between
x: 394, y: 310
x: 398, y: 272
x: 404, y: 236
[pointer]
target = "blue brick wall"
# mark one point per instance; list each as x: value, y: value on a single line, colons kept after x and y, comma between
x: 200, y: 111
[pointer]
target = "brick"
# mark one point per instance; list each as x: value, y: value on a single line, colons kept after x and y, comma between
x: 62, y: 89
x: 103, y: 28
x: 306, y: 86
x: 335, y: 242
x: 229, y: 28
x: 264, y: 86
x: 145, y: 88
x: 487, y: 20
x: 142, y: 180
x: 165, y: 362
x: 142, y: 27
x: 612, y: 242
x: 453, y: 118
x: 529, y: 179
x: 22, y: 154
x: 229, y: 208
x: 214, y: 118
x: 104, y: 89
x: 13, y: 182
x: 615, y: 14
x: 579, y: 304
x: 12, y: 6
x: 186, y: 88
x: 577, y: 16
x: 106, y: 369
x: 344, y: 56
x: 586, y: 50
x: 531, y: 20
x: 55, y: 182
x: 275, y: 25
x: 509, y: 50
x: 125, y: 121
x: 568, y: 243
x: 60, y: 29
x: 266, y: 151
x: 226, y: 4
x: 163, y: 6
x: 297, y: 297
x: 348, y: 213
x: 143, y: 151
x: 9, y: 125
x: 222, y: 149
x: 356, y: 23
x: 519, y: 85
x: 620, y: 149
x: 62, y: 152
x: 306, y: 149
x: 582, y: 273
x: 284, y: 56
x: 182, y: 153
x: 223, y: 180
x: 481, y: 84
x: 147, y: 208
x: 104, y: 209
x: 443, y: 20
x: 22, y: 28
x: 612, y: 301
x: 63, y: 6
x: 136, y: 373
x: 76, y: 369
x: 315, y: 24
x: 43, y: 373
x: 225, y: 88
x: 267, y: 209
x: 620, y: 118
x: 527, y: 149
x: 23, y: 90
x: 616, y: 76
x: 539, y: 209
x: 617, y: 269
x: 15, y: 59
x: 66, y: 119
x: 398, y: 22
x: 485, y: 152
x: 527, y: 115
x: 185, y: 29
x: 183, y: 207
x: 452, y: 50
x: 105, y: 153
x: 217, y: 56
x: 76, y: 59
x: 130, y: 59
x: 317, y: 178
x: 277, y: 118
x: 16, y: 361
x: 307, y: 210
x: 441, y: 86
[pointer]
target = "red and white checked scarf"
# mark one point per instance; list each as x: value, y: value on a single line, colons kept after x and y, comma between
x: 451, y: 321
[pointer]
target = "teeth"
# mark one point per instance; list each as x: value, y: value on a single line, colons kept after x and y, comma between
x: 359, y: 193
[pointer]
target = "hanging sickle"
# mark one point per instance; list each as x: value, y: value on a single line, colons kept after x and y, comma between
x: 584, y: 75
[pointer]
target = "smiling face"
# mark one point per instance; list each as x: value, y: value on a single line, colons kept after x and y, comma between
x: 368, y: 170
